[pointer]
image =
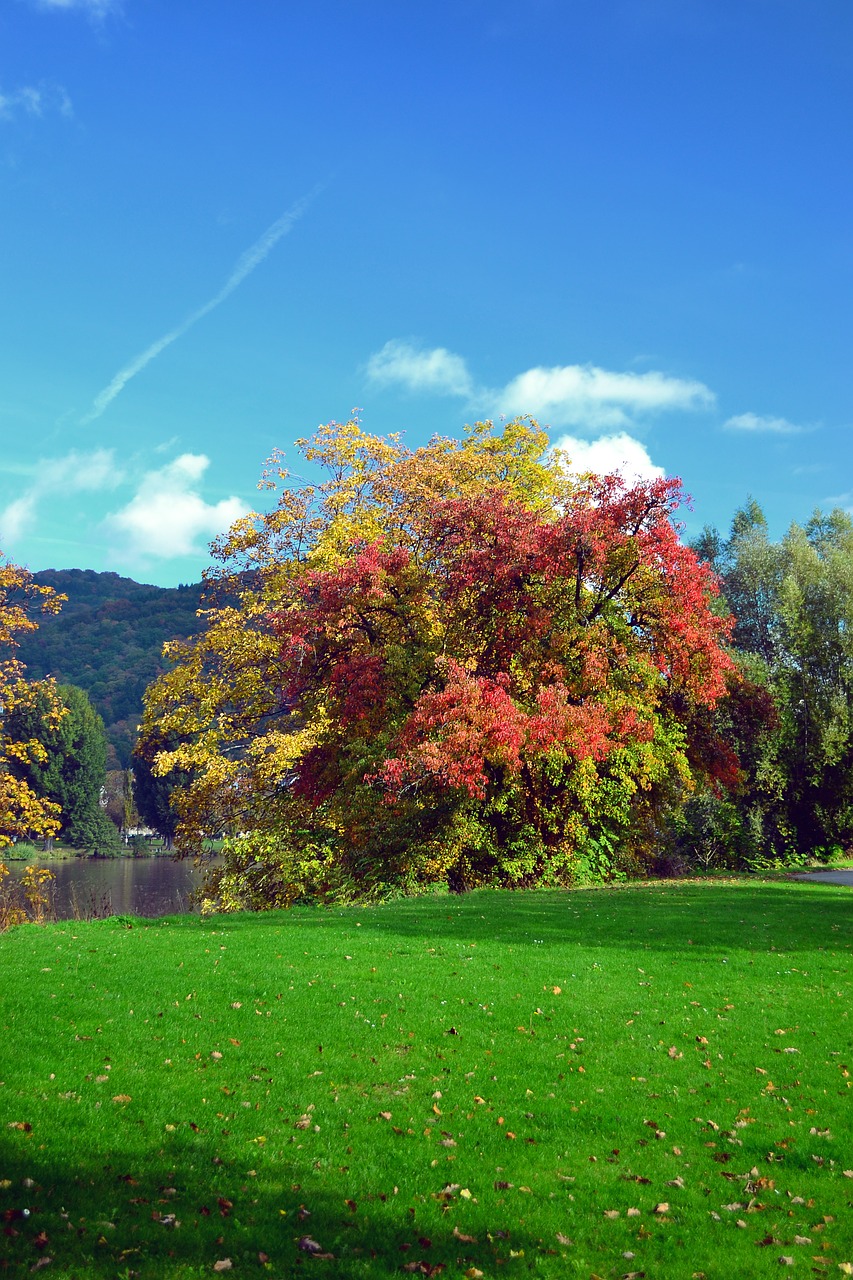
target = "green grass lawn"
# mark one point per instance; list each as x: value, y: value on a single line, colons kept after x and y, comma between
x: 649, y: 1081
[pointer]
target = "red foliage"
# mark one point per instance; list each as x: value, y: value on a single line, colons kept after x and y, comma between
x: 523, y: 635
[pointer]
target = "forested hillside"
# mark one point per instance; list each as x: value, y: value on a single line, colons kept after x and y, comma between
x: 108, y: 640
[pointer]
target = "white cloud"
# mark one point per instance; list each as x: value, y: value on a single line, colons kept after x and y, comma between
x: 35, y: 100
x: 167, y: 516
x: 619, y: 452
x: 588, y: 397
x: 581, y: 396
x: 73, y: 473
x: 438, y: 370
x: 762, y: 422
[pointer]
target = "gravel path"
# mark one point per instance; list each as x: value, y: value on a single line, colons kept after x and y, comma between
x: 841, y: 876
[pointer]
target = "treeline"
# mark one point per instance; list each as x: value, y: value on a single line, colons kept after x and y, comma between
x: 71, y: 687
x: 367, y: 713
x: 108, y: 640
x: 791, y: 793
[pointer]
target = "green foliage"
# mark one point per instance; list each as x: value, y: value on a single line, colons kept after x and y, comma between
x: 70, y: 768
x: 152, y: 792
x: 108, y: 641
x: 793, y: 601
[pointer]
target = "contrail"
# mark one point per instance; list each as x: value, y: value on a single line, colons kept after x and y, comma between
x: 252, y: 258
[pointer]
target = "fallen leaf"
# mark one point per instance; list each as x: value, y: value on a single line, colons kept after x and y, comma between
x: 663, y: 1207
x: 307, y: 1245
x: 802, y: 1239
x: 676, y: 1182
x: 385, y: 1115
x: 786, y: 1260
x: 632, y: 1212
x: 224, y: 1264
x: 122, y: 1097
x: 611, y: 1213
x: 564, y: 1239
x: 460, y: 1235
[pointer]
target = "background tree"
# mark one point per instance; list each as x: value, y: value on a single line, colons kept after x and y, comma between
x: 117, y: 800
x: 152, y: 792
x: 70, y: 769
x: 454, y: 663
x: 22, y: 811
x: 794, y: 640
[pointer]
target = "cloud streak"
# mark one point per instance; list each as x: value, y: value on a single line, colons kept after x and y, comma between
x: 94, y: 8
x: 35, y: 100
x: 246, y: 264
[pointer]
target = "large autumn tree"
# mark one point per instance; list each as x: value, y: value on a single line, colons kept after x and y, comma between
x: 22, y: 811
x: 453, y: 663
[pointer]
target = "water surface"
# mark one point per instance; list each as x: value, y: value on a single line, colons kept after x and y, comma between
x: 85, y: 887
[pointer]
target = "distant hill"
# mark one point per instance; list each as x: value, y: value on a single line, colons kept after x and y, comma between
x: 108, y: 640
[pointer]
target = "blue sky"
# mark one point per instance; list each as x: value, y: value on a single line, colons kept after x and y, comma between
x: 222, y: 224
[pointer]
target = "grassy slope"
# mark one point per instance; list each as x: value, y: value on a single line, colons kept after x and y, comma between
x: 326, y: 1075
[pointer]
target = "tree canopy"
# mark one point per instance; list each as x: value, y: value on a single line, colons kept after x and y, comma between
x: 70, y: 768
x: 22, y: 810
x: 451, y: 663
x: 793, y: 600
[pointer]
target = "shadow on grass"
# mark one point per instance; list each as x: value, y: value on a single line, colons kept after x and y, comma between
x: 101, y: 1218
x: 727, y: 918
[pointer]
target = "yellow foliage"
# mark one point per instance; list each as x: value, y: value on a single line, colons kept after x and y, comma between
x: 217, y: 718
x: 21, y: 811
